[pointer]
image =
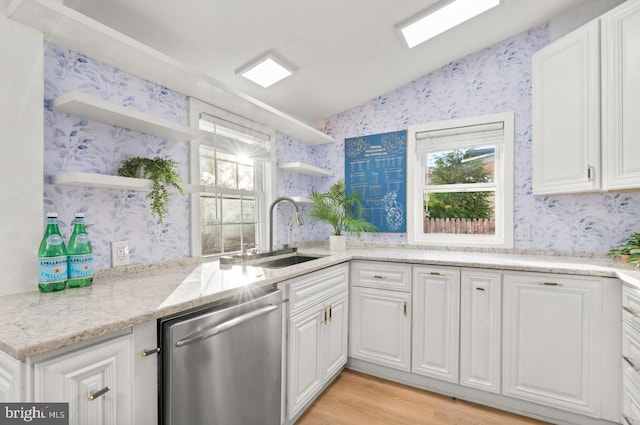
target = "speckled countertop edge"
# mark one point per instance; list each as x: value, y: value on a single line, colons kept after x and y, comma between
x: 35, y: 324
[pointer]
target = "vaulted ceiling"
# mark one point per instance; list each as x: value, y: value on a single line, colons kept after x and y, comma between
x: 346, y: 51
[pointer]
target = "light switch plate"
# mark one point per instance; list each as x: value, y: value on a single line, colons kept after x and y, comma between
x: 119, y: 253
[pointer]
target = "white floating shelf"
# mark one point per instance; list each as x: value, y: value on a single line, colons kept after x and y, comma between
x: 97, y: 109
x: 105, y: 181
x: 70, y: 29
x: 302, y: 168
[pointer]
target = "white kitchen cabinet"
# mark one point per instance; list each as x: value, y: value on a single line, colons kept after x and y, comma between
x: 436, y: 322
x: 621, y: 96
x: 480, y: 329
x: 552, y: 338
x: 317, y: 334
x: 566, y: 113
x: 11, y: 378
x: 380, y: 330
x: 97, y: 381
x: 145, y: 373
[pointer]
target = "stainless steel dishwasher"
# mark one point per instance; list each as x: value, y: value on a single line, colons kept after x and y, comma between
x: 222, y: 365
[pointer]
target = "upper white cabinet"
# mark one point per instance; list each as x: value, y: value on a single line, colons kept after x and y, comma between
x: 552, y: 330
x: 436, y: 322
x: 586, y: 100
x: 621, y: 96
x: 566, y: 114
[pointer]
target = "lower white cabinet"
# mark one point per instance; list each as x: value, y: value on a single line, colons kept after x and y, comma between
x: 11, y: 379
x: 96, y: 381
x: 552, y: 340
x: 381, y: 327
x: 480, y: 329
x: 436, y: 322
x: 317, y: 344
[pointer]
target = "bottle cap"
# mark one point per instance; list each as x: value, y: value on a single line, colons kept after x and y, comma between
x: 79, y: 215
x: 52, y: 215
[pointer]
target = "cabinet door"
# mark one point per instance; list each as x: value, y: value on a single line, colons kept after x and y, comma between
x: 305, y: 373
x: 436, y: 322
x: 334, y: 335
x: 566, y: 114
x: 552, y: 340
x: 621, y: 96
x: 480, y: 329
x: 11, y: 378
x: 380, y: 330
x: 103, y: 371
x: 145, y: 388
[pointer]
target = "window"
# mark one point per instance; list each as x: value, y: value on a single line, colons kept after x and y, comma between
x: 232, y: 163
x: 460, y: 176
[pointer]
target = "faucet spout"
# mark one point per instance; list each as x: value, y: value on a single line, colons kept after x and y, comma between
x: 273, y: 204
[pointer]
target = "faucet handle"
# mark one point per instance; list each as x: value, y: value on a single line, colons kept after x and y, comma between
x: 249, y: 246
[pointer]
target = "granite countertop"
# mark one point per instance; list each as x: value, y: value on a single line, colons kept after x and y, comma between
x: 35, y: 323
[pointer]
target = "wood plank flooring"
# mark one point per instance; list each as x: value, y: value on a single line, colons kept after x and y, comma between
x: 358, y: 399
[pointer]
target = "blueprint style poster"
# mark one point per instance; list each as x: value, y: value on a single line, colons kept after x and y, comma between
x: 376, y: 166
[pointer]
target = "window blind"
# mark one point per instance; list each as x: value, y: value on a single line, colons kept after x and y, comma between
x: 467, y: 136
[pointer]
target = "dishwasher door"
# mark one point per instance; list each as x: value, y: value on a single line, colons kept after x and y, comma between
x: 223, y: 366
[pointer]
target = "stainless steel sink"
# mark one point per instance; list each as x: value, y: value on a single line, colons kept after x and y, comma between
x: 287, y: 261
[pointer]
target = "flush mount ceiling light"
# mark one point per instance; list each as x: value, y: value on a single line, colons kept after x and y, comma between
x: 440, y: 18
x: 266, y: 70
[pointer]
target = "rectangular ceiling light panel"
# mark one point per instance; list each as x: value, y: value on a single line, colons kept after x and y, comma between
x: 444, y: 17
x: 265, y: 71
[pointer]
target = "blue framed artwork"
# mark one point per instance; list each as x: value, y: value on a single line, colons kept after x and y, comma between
x: 375, y: 165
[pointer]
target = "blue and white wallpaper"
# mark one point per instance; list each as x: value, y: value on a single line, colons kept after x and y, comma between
x: 72, y: 143
x: 493, y: 80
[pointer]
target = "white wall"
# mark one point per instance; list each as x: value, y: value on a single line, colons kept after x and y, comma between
x: 21, y: 173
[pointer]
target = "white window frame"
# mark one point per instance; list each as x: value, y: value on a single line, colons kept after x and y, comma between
x: 196, y: 108
x: 504, y: 159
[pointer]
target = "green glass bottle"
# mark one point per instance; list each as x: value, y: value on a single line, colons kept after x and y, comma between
x: 52, y: 258
x: 80, y: 255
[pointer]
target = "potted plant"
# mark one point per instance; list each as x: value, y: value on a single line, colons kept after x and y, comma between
x: 629, y: 250
x: 162, y: 172
x: 340, y: 211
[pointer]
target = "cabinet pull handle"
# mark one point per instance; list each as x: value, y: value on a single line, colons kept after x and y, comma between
x: 405, y: 309
x: 550, y: 284
x: 590, y: 172
x: 99, y: 393
x: 330, y: 312
x: 325, y: 316
x: 435, y: 273
x: 378, y: 276
x: 480, y: 289
x: 633, y: 312
x: 630, y: 360
x: 150, y: 352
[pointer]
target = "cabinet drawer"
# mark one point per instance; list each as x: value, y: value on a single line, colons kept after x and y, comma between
x: 315, y: 287
x: 381, y: 275
x: 631, y: 307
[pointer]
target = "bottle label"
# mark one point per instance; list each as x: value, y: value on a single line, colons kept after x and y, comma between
x: 53, y: 269
x: 80, y: 266
x: 82, y: 238
x: 54, y: 240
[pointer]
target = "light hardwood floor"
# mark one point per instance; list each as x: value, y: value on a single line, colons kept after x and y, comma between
x: 358, y: 399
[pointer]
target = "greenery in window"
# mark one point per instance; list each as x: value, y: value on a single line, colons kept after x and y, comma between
x: 455, y: 167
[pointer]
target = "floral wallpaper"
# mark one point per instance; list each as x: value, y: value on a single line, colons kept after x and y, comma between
x: 72, y: 143
x: 493, y: 80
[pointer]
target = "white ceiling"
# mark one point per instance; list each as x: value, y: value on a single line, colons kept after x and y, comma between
x: 346, y: 51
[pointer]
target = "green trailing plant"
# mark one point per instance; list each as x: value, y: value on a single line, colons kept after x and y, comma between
x: 340, y: 210
x: 162, y: 172
x: 630, y: 247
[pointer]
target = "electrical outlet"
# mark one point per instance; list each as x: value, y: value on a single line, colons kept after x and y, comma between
x: 119, y: 253
x: 524, y: 232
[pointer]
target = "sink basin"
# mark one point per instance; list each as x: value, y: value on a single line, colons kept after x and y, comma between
x: 287, y: 261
